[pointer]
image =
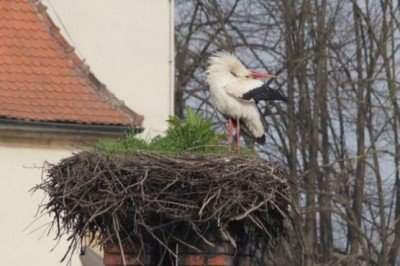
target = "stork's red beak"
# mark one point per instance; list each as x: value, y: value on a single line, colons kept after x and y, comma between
x: 261, y: 75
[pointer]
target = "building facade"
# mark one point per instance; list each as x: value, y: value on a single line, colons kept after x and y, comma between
x: 59, y: 95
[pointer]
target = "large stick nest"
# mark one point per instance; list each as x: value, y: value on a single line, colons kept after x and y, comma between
x: 149, y: 199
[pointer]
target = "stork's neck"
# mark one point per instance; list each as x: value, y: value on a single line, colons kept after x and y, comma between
x: 218, y: 79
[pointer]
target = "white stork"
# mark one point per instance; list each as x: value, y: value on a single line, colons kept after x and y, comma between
x: 235, y: 91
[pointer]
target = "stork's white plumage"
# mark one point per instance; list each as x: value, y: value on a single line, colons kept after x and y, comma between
x: 235, y: 91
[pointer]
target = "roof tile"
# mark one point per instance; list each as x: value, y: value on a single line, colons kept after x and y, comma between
x: 42, y: 79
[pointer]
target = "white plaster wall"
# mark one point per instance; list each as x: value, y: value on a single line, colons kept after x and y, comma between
x: 128, y: 45
x: 21, y: 244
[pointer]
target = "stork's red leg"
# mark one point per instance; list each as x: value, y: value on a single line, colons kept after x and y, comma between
x: 230, y: 128
x: 238, y: 133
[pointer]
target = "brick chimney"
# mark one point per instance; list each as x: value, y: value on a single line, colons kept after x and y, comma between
x: 113, y: 256
x: 222, y: 254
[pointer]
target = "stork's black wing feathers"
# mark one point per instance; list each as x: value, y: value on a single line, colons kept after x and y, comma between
x: 264, y: 92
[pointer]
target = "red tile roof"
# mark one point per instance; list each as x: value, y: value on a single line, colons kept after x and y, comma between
x: 41, y: 77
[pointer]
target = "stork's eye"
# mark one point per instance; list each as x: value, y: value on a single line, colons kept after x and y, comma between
x: 247, y: 76
x: 233, y: 74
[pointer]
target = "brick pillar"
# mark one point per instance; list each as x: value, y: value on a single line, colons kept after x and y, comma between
x: 113, y: 256
x: 222, y: 254
x: 243, y: 257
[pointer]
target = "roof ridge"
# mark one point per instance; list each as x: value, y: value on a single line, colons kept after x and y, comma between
x: 100, y: 88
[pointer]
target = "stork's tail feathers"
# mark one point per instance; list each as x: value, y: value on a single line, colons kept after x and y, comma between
x: 260, y: 140
x: 246, y: 133
x: 265, y: 93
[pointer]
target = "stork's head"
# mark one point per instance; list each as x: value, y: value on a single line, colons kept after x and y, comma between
x: 226, y: 65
